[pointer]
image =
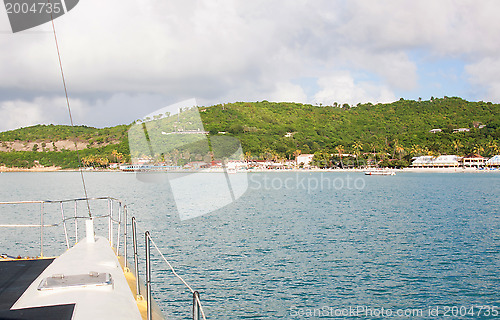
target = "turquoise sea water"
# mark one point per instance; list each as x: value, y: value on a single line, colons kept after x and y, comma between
x: 315, y: 245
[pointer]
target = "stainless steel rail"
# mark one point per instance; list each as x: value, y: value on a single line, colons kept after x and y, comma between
x: 114, y: 223
x: 147, y: 237
x: 197, y: 307
x: 120, y: 222
x: 136, y: 259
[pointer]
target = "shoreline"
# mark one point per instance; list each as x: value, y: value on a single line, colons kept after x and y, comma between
x: 32, y: 169
x: 417, y: 170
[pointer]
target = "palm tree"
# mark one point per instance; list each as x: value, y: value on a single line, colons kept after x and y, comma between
x: 416, y: 150
x: 457, y: 145
x: 268, y: 154
x: 87, y: 160
x: 248, y: 156
x: 478, y: 149
x: 340, y: 150
x: 373, y: 147
x: 276, y: 157
x: 281, y: 159
x: 102, y: 161
x: 357, y: 146
x: 399, y: 150
x: 432, y: 153
x: 186, y: 155
x: 395, y: 146
x: 114, y: 153
x: 175, y: 156
x: 296, y: 154
x: 119, y: 157
x: 493, y: 146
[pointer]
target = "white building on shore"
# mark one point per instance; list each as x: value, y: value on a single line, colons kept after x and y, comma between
x: 444, y: 161
x: 493, y: 162
x: 474, y: 161
x: 305, y: 159
x: 452, y: 161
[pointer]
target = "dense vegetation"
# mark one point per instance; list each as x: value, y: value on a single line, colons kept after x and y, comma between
x: 96, y: 157
x: 396, y: 130
x: 103, y: 146
x: 388, y: 133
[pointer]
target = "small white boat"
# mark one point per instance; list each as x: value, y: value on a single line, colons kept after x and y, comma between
x: 380, y: 173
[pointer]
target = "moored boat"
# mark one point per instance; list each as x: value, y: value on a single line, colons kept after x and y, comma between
x: 380, y: 173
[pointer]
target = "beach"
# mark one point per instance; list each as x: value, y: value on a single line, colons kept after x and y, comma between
x: 409, y: 169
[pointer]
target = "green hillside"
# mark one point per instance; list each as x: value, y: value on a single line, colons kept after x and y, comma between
x: 60, y: 132
x: 42, y: 142
x: 262, y: 126
x: 281, y: 130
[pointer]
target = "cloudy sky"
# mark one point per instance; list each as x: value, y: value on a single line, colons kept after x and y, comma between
x: 126, y: 58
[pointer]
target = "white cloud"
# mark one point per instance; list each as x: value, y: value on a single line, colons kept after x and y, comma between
x: 288, y: 92
x: 115, y: 109
x: 123, y: 108
x: 342, y: 88
x: 443, y: 27
x: 395, y: 68
x: 16, y: 114
x: 221, y: 51
x: 485, y: 77
x: 41, y: 110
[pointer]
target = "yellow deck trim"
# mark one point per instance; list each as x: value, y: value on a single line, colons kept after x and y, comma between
x: 26, y: 258
x: 142, y: 304
x: 111, y: 303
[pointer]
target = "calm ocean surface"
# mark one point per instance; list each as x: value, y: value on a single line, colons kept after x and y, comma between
x: 313, y: 245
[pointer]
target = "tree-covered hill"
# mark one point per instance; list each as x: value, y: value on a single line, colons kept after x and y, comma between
x: 263, y: 126
x: 55, y: 145
x: 61, y: 132
x: 282, y: 130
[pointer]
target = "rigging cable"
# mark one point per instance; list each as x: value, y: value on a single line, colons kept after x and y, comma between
x: 69, y: 112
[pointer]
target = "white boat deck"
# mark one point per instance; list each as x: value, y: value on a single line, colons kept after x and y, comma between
x: 93, y: 302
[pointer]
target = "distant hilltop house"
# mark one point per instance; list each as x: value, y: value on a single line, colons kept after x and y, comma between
x: 181, y: 131
x: 457, y: 130
x: 305, y: 159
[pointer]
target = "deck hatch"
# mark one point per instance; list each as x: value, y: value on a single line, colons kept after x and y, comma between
x: 61, y: 281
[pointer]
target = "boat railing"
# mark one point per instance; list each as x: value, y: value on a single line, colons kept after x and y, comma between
x: 197, y: 309
x: 115, y: 214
